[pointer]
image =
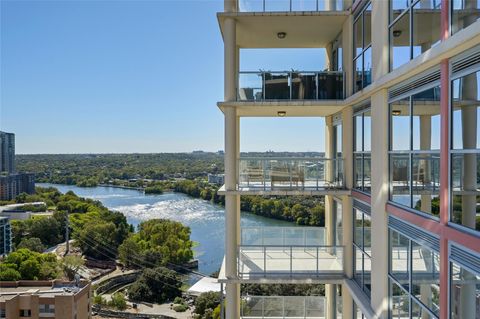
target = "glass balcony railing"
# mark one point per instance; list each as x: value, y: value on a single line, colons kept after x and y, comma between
x: 292, y: 261
x: 290, y: 85
x: 254, y: 235
x: 290, y: 5
x: 289, y: 173
x: 256, y: 307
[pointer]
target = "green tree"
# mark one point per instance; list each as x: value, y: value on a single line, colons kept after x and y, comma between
x: 206, y: 303
x: 71, y: 264
x: 156, y: 285
x: 32, y: 243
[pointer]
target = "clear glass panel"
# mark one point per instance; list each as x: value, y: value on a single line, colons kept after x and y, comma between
x: 367, y: 22
x: 399, y: 257
x: 367, y: 64
x: 304, y: 5
x: 277, y: 5
x: 277, y: 86
x: 464, y: 293
x: 464, y: 13
x: 250, y: 86
x: 273, y: 307
x: 250, y: 5
x: 330, y: 86
x: 367, y: 172
x: 426, y: 120
x: 358, y: 238
x: 466, y: 114
x: 426, y: 183
x: 399, y: 302
x: 400, y: 42
x: 367, y: 272
x: 358, y: 171
x: 397, y: 7
x: 367, y: 237
x: 418, y: 312
x: 400, y: 125
x: 358, y: 133
x: 367, y: 131
x: 338, y: 141
x: 465, y: 179
x: 357, y: 35
x: 357, y: 75
x: 304, y: 86
x: 358, y: 274
x: 426, y: 276
x: 400, y: 179
x: 426, y: 25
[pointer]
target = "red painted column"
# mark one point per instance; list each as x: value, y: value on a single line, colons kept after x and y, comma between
x: 444, y: 165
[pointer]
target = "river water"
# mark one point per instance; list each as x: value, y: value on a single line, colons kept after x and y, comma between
x: 206, y: 220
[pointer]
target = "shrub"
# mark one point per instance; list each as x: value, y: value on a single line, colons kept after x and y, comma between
x: 180, y: 307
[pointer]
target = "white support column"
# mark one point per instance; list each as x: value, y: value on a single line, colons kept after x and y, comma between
x: 347, y: 208
x: 379, y: 197
x: 232, y: 202
x: 230, y: 5
x: 380, y: 49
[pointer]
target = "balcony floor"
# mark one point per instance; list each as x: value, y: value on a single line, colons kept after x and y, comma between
x: 285, y: 190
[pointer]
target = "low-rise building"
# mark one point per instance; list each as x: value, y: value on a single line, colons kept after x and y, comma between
x: 5, y: 236
x: 218, y: 179
x: 45, y: 299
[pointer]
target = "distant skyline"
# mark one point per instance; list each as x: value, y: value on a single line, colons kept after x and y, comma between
x: 130, y: 77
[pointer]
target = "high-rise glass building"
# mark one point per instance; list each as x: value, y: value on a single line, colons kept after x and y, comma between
x: 401, y: 171
x: 7, y: 152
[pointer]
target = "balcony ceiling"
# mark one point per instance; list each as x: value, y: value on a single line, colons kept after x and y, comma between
x: 304, y: 29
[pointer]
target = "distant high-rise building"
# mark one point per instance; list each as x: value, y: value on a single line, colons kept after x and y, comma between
x: 5, y: 236
x: 7, y: 152
x: 11, y: 183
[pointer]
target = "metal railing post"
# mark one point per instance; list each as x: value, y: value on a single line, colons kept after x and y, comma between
x: 291, y: 261
x: 317, y: 10
x: 290, y: 75
x: 263, y: 73
x: 263, y: 5
x: 317, y: 262
x: 264, y: 261
x: 290, y: 5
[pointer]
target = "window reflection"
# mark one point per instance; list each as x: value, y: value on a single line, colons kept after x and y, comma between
x: 362, y: 64
x: 464, y: 292
x: 362, y: 150
x: 464, y: 13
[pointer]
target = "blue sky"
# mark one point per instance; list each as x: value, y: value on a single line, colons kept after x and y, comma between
x: 130, y: 76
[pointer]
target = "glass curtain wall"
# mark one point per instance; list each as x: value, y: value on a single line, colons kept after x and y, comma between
x: 414, y: 27
x: 465, y: 153
x: 414, y: 281
x: 362, y: 251
x: 362, y: 149
x: 463, y: 13
x: 414, y: 154
x: 464, y: 292
x: 362, y: 40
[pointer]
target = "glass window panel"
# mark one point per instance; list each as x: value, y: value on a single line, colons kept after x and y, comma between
x: 464, y: 13
x: 418, y: 312
x: 358, y: 171
x: 426, y: 120
x: 464, y: 293
x: 358, y: 274
x: 250, y: 86
x: 277, y: 5
x: 400, y: 42
x: 399, y: 302
x: 367, y: 131
x: 367, y: 238
x: 358, y: 133
x: 399, y: 257
x: 358, y: 74
x: 367, y: 271
x: 426, y: 25
x: 367, y: 23
x: 250, y: 6
x: 425, y: 276
x: 358, y: 228
x: 397, y: 7
x: 465, y: 190
x: 338, y: 140
x: 400, y: 125
x: 367, y: 64
x: 357, y: 35
x: 466, y: 115
x: 367, y: 172
x: 304, y: 5
x: 426, y: 183
x: 400, y: 179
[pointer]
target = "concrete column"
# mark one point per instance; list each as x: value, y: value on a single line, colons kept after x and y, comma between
x: 328, y: 56
x: 230, y: 59
x: 230, y: 5
x: 424, y: 165
x: 232, y: 132
x: 330, y: 5
x: 379, y: 300
x: 380, y: 49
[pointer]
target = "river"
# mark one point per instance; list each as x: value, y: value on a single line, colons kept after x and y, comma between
x: 206, y: 220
